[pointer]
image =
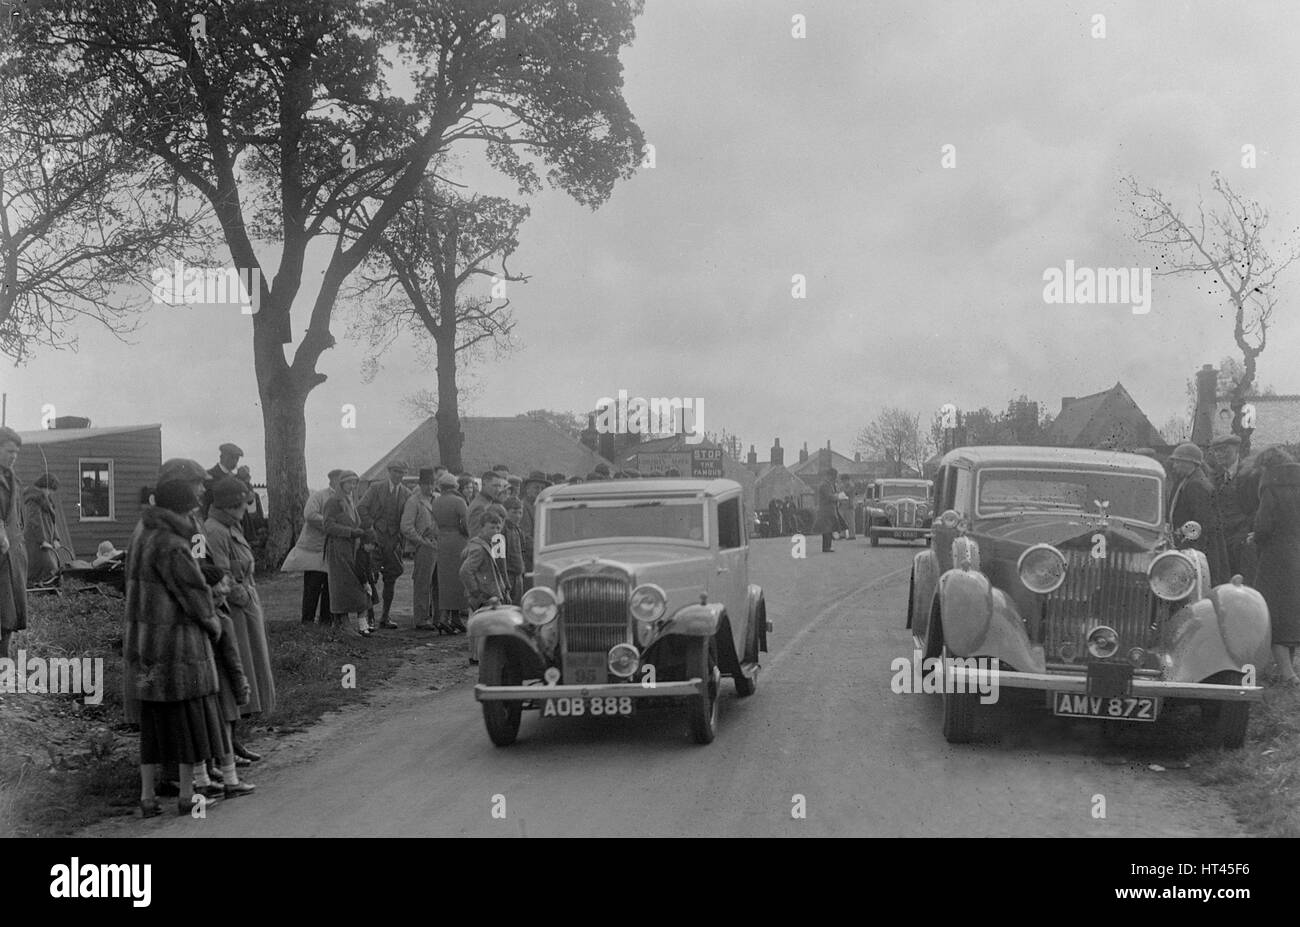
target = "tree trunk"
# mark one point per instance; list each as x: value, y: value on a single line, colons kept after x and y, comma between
x: 449, y: 436
x: 284, y: 420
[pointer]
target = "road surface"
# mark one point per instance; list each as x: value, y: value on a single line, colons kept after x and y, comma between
x: 824, y: 735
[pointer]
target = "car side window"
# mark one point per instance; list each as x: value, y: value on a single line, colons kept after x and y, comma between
x: 730, y: 532
x: 961, y: 490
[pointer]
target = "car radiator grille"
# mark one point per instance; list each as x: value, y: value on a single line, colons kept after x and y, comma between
x: 1112, y: 592
x: 905, y: 514
x: 594, y: 615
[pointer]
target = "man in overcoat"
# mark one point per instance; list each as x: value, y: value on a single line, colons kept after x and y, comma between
x: 381, y: 510
x: 13, y: 545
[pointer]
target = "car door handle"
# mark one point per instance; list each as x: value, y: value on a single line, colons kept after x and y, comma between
x: 723, y: 570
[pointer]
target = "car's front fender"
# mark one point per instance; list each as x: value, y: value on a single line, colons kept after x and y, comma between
x: 979, y: 620
x: 1224, y: 631
x: 925, y: 579
x: 696, y: 620
x: 507, y: 621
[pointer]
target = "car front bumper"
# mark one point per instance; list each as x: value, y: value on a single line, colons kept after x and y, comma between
x: 676, y: 689
x: 887, y: 531
x: 1070, y: 682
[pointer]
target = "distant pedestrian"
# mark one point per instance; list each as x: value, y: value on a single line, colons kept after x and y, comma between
x: 1190, y: 497
x: 465, y: 486
x: 227, y: 465
x: 41, y: 514
x: 343, y: 531
x: 308, y: 556
x: 421, y: 533
x: 381, y: 510
x: 1226, y: 472
x: 451, y: 515
x: 13, y: 543
x: 492, y: 492
x: 514, y: 548
x: 1277, y: 537
x: 532, y: 487
x: 826, y: 521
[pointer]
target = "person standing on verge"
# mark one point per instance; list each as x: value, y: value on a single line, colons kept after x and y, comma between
x: 13, y: 543
x: 1225, y: 454
x: 381, y: 511
x: 532, y: 487
x: 1191, y: 498
x: 419, y: 529
x: 491, y: 493
x: 308, y: 556
x: 343, y: 534
x: 451, y: 515
x: 483, y: 576
x: 171, y: 626
x: 514, y: 548
x: 1277, y: 539
x: 825, y: 524
x: 40, y: 512
x: 227, y: 465
x: 231, y: 553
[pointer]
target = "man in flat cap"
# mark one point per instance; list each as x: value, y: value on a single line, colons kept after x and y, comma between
x: 420, y: 531
x: 536, y: 482
x: 1225, y: 459
x: 227, y: 463
x: 13, y: 549
x: 381, y: 510
x: 1191, y: 498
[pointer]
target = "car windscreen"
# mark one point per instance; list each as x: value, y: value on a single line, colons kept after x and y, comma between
x: 905, y: 490
x: 626, y: 518
x: 1130, y: 496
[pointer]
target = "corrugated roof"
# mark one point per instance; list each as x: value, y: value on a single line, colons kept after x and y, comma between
x: 520, y: 442
x: 61, y: 435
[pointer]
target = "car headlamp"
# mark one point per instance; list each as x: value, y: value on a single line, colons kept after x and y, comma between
x: 647, y: 603
x: 1042, y: 568
x: 1172, y: 576
x: 539, y: 606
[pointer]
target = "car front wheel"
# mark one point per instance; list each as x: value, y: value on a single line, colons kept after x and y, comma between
x: 702, y: 710
x: 958, y: 711
x: 497, y: 669
x: 1227, y: 721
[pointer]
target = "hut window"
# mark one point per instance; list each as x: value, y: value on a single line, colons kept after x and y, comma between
x: 95, y: 490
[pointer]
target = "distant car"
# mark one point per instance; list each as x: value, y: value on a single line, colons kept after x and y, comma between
x: 640, y: 594
x: 899, y: 508
x: 1057, y: 566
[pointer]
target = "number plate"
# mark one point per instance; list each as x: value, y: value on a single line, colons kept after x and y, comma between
x: 600, y: 707
x: 1120, y: 708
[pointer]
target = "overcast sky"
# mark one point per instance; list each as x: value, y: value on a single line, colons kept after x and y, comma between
x: 819, y: 156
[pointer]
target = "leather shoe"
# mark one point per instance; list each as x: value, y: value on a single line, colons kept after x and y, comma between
x: 244, y: 753
x: 243, y: 788
x: 391, y: 625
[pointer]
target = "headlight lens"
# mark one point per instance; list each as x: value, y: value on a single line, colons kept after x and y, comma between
x: 648, y: 602
x: 539, y: 606
x: 1172, y: 576
x: 624, y: 660
x: 1103, y: 642
x: 1042, y: 568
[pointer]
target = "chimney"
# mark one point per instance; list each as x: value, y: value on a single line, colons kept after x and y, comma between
x: 1207, y: 401
x: 778, y: 453
x: 803, y: 453
x: 590, y: 436
x: 752, y: 459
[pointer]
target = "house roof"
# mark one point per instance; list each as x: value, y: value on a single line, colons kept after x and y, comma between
x: 1076, y: 414
x: 62, y: 435
x: 520, y: 442
x: 1083, y: 420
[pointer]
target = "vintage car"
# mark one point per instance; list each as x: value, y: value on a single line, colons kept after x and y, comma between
x: 1054, y: 569
x: 640, y: 594
x: 899, y: 508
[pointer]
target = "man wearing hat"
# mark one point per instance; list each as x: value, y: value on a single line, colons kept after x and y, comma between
x: 1225, y: 462
x: 381, y: 511
x: 227, y: 462
x: 308, y: 555
x: 1190, y: 497
x: 535, y: 483
x: 515, y: 483
x: 422, y: 534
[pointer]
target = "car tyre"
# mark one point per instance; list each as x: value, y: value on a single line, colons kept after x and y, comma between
x: 1227, y: 721
x: 875, y: 538
x: 702, y: 710
x: 958, y: 713
x: 495, y: 668
x: 748, y: 685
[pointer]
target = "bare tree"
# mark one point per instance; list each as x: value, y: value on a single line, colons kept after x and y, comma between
x: 570, y: 423
x: 895, y: 435
x: 415, y: 281
x: 80, y: 216
x: 1224, y: 246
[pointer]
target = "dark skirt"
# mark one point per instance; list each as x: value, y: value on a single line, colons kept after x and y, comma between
x: 183, y: 732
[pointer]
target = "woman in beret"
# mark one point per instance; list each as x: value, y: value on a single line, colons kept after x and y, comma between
x: 230, y: 552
